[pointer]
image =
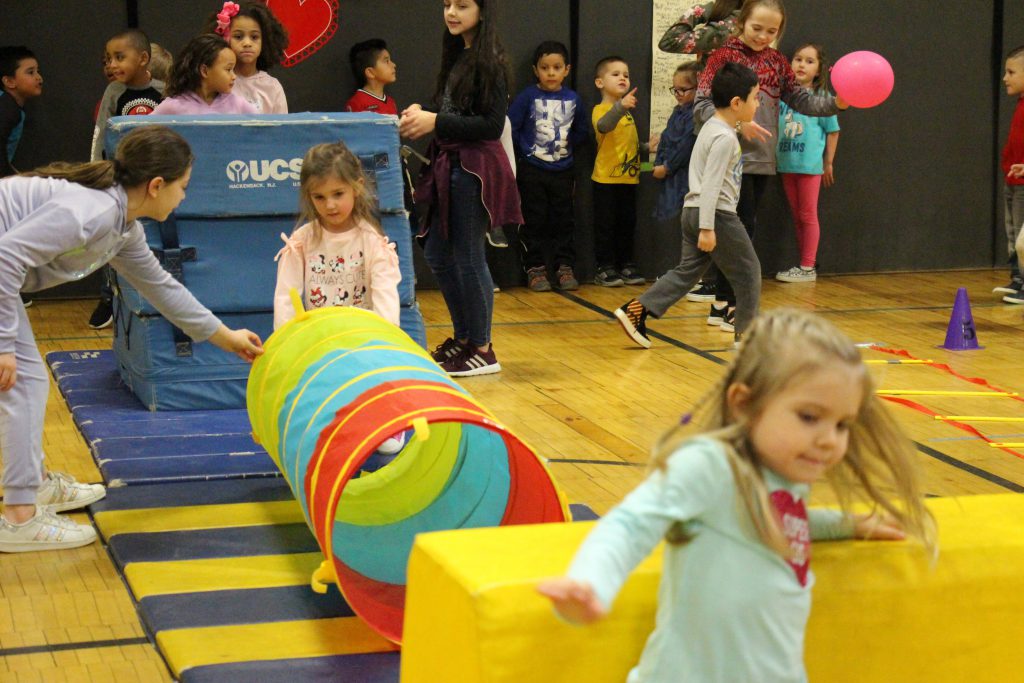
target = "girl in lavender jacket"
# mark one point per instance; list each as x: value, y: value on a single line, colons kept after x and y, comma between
x: 58, y: 224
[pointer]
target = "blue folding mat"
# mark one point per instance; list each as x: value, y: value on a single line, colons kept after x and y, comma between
x: 221, y: 242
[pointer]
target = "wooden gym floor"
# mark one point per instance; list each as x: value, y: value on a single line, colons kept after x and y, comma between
x: 576, y: 389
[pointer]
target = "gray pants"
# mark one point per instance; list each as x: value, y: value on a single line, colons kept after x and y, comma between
x: 733, y: 254
x: 22, y: 413
x: 1013, y: 220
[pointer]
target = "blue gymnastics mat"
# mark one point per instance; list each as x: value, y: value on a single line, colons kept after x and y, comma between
x: 132, y: 445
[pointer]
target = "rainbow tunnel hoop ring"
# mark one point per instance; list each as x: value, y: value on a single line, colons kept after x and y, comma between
x: 331, y: 386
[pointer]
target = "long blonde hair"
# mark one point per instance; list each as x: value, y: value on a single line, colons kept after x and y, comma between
x: 783, y: 346
x: 334, y: 159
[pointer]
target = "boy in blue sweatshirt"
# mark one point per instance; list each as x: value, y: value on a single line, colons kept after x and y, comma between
x: 546, y: 128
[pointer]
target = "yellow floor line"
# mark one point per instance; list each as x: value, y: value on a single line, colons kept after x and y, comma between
x: 192, y: 647
x: 221, y: 573
x: 193, y: 517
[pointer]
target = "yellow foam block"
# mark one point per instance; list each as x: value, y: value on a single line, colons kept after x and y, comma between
x: 880, y: 611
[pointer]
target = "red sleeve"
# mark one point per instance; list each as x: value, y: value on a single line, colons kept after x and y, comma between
x: 715, y: 62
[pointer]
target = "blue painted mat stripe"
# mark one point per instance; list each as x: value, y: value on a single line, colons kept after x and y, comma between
x: 249, y: 606
x: 165, y: 426
x: 195, y: 468
x: 172, y: 446
x: 248, y: 541
x: 380, y: 667
x: 194, y: 493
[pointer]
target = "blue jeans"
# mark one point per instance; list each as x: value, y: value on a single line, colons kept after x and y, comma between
x: 459, y: 261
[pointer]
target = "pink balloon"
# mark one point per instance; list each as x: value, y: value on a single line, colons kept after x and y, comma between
x: 864, y: 79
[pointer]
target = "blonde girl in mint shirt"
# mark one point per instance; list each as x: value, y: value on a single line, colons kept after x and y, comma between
x: 796, y: 405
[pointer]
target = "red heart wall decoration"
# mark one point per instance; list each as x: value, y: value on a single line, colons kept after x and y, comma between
x: 310, y: 24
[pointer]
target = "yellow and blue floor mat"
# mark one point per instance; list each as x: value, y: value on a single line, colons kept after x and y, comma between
x: 212, y: 543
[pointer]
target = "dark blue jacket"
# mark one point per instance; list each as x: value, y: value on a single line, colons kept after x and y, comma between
x: 674, y: 151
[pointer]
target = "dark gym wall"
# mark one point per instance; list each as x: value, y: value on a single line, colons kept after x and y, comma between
x: 915, y: 182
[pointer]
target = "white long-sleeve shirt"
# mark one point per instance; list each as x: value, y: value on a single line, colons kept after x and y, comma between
x: 358, y: 267
x: 53, y: 231
x: 716, y: 172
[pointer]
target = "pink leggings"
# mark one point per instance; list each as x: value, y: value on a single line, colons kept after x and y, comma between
x: 802, y: 192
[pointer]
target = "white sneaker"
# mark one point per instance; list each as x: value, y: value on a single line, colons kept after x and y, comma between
x: 798, y: 274
x: 45, y: 531
x: 60, y: 492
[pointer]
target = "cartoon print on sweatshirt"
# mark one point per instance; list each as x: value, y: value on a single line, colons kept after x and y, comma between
x: 337, y: 277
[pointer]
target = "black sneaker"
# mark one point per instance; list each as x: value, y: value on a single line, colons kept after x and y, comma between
x: 703, y: 292
x: 471, y: 363
x: 608, y: 278
x: 1012, y: 288
x: 26, y: 300
x: 103, y: 316
x: 631, y: 275
x: 718, y: 311
x: 729, y: 320
x: 449, y: 348
x: 496, y: 237
x: 1016, y: 298
x: 633, y: 318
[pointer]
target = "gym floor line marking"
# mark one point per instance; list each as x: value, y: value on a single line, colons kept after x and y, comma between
x: 60, y: 647
x: 650, y: 333
x: 575, y: 461
x: 938, y: 455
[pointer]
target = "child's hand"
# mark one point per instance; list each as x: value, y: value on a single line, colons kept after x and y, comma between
x: 653, y: 142
x: 8, y: 371
x: 629, y: 99
x: 828, y: 178
x: 841, y: 103
x: 1016, y: 171
x: 707, y: 241
x: 877, y: 527
x: 752, y: 131
x: 415, y: 123
x: 574, y: 601
x: 243, y: 343
x: 659, y: 171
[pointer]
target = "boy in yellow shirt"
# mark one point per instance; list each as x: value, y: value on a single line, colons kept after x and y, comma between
x: 616, y: 175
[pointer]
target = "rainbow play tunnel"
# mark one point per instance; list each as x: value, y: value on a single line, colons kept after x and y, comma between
x: 336, y: 382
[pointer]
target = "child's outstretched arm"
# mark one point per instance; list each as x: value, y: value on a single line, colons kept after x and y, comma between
x: 574, y: 601
x: 828, y: 178
x: 827, y: 524
x: 697, y: 477
x: 243, y: 343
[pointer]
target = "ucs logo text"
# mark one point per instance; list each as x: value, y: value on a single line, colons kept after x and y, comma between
x: 260, y: 170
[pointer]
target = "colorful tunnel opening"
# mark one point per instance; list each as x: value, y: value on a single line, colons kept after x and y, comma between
x: 331, y: 387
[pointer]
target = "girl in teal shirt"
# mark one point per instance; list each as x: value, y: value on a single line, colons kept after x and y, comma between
x: 804, y: 155
x: 796, y: 405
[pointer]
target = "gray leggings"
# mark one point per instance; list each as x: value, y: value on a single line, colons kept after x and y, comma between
x: 22, y: 414
x: 733, y: 254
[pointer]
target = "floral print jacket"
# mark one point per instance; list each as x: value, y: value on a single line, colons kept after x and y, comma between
x: 692, y: 34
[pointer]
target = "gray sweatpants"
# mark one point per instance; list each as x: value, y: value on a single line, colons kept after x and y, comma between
x: 733, y: 254
x: 22, y: 413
